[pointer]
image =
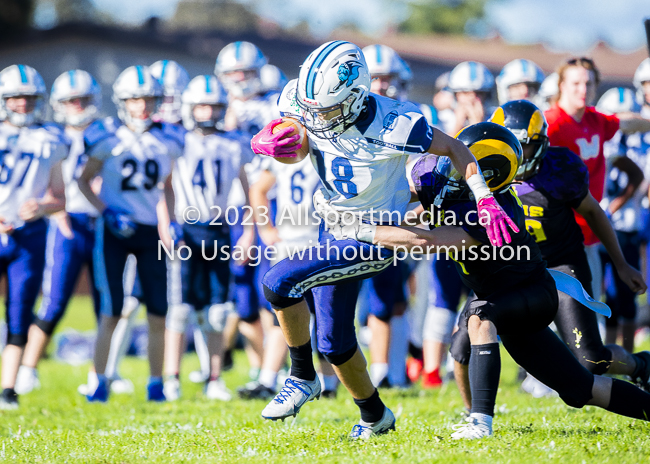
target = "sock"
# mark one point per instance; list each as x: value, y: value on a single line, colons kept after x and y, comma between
x: 253, y: 373
x: 153, y: 379
x: 415, y: 351
x: 484, y: 373
x: 378, y: 371
x: 330, y: 382
x: 101, y: 378
x: 268, y: 378
x: 640, y: 366
x: 175, y: 376
x: 372, y: 409
x: 398, y: 350
x: 628, y: 400
x: 302, y: 362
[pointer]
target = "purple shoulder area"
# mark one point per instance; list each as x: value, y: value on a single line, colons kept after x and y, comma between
x: 562, y: 174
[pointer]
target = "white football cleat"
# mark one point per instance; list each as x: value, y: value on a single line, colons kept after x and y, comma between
x: 27, y: 380
x: 364, y: 430
x: 216, y: 390
x: 199, y: 376
x: 472, y: 428
x: 293, y: 395
x: 90, y: 386
x: 121, y: 386
x: 172, y: 389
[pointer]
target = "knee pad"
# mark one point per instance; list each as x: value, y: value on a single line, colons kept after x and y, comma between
x: 217, y: 317
x: 439, y: 324
x: 461, y: 348
x: 178, y: 317
x: 338, y: 359
x: 46, y: 326
x: 19, y: 340
x: 279, y: 301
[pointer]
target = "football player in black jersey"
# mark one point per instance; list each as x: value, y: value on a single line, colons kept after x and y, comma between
x: 517, y: 297
x: 554, y: 182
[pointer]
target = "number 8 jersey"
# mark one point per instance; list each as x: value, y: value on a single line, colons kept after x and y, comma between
x: 364, y: 168
x: 135, y: 166
x: 27, y: 156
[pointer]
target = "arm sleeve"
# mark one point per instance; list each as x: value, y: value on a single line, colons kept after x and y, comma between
x: 420, y: 137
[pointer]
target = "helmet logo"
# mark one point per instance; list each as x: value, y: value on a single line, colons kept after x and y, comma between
x: 347, y: 73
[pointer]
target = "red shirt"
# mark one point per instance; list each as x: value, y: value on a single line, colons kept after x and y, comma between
x: 586, y: 138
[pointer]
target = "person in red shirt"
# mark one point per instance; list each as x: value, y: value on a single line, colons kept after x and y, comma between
x: 572, y: 123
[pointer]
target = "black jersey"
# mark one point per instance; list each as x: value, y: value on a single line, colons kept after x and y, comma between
x: 549, y: 197
x: 485, y: 269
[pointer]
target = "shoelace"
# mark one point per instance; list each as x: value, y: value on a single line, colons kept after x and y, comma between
x: 290, y: 386
x: 358, y: 430
x: 471, y: 427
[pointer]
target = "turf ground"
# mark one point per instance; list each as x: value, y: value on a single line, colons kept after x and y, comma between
x: 55, y: 424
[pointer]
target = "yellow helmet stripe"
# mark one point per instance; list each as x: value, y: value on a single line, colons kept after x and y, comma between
x: 499, y: 117
x: 487, y: 147
x: 535, y: 124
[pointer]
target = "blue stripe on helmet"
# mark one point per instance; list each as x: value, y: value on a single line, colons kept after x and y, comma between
x: 71, y: 74
x: 237, y: 51
x: 162, y: 71
x: 524, y: 67
x: 378, y: 53
x: 207, y: 84
x: 140, y: 75
x: 472, y: 71
x: 621, y: 94
x: 23, y: 74
x: 318, y: 61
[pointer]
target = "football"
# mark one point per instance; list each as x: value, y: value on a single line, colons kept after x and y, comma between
x: 303, y: 151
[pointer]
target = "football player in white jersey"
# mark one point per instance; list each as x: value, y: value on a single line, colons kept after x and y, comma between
x: 76, y: 102
x: 31, y: 186
x: 202, y: 181
x: 359, y: 144
x: 134, y: 163
x: 519, y: 80
x: 251, y: 107
x: 472, y: 84
x: 294, y: 231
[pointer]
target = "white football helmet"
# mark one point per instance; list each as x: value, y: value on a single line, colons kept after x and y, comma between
x: 240, y: 56
x: 208, y: 91
x: 641, y: 75
x: 618, y: 100
x: 549, y: 89
x: 518, y: 72
x: 471, y: 76
x: 18, y: 80
x: 136, y: 82
x: 173, y: 78
x: 273, y: 79
x: 383, y: 61
x: 332, y: 88
x: 74, y: 84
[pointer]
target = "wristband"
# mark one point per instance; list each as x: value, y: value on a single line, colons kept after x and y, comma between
x: 479, y: 188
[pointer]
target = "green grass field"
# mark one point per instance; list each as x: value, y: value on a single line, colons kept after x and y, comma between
x: 55, y: 424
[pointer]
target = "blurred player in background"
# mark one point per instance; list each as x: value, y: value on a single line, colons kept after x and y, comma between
x: 519, y: 80
x: 626, y: 167
x: 76, y: 103
x: 473, y: 86
x: 251, y: 107
x: 31, y: 186
x: 134, y: 164
x: 202, y: 180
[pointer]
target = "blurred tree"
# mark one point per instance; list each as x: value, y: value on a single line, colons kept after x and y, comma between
x: 75, y: 11
x: 442, y: 16
x: 223, y: 15
x: 15, y: 15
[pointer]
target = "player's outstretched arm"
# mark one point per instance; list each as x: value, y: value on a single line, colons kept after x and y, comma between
x: 421, y: 241
x: 632, y: 122
x: 497, y: 221
x: 635, y: 177
x: 599, y: 223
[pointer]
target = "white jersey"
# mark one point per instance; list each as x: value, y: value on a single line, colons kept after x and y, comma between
x: 364, y: 169
x: 27, y: 156
x: 204, y: 175
x: 295, y: 186
x: 135, y: 167
x: 73, y: 166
